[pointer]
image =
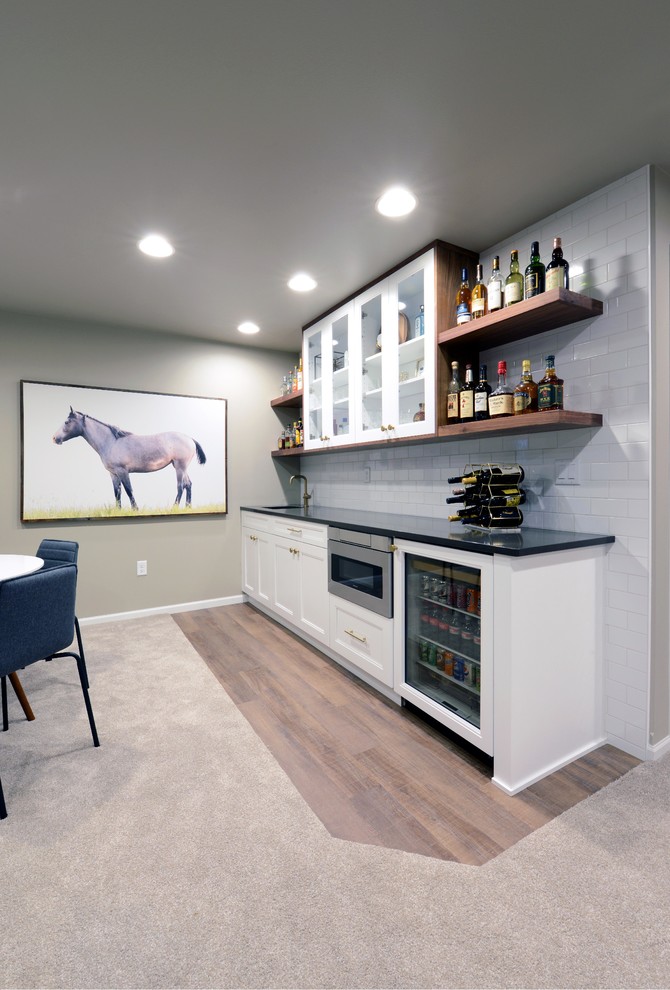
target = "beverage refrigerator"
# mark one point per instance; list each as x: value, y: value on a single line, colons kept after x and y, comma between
x: 443, y: 647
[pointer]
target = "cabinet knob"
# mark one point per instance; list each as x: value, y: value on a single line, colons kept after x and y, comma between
x: 390, y: 427
x: 383, y: 429
x: 253, y: 538
x: 392, y: 547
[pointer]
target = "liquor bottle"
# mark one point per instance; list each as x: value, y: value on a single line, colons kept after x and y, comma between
x: 453, y: 392
x: 466, y: 404
x: 479, y: 296
x: 534, y: 277
x: 514, y: 281
x: 420, y: 415
x: 464, y: 299
x: 496, y: 288
x: 501, y: 401
x: 299, y: 376
x: 525, y: 394
x: 481, y: 397
x: 558, y: 270
x: 550, y: 388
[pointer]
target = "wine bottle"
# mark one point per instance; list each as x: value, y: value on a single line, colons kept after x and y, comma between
x: 464, y: 299
x: 481, y: 395
x: 496, y: 288
x: 466, y: 405
x: 534, y: 277
x: 550, y: 388
x: 495, y: 473
x: 558, y: 270
x: 453, y: 392
x: 525, y: 394
x: 479, y: 296
x: 514, y: 281
x: 500, y: 518
x: 501, y: 401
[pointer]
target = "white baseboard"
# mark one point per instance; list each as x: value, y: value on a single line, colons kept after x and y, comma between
x: 142, y: 613
x: 659, y: 749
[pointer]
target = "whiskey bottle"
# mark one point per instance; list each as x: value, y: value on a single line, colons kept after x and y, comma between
x: 481, y: 395
x: 453, y: 393
x: 420, y: 414
x: 464, y: 299
x: 558, y: 270
x: 550, y: 388
x: 534, y: 276
x: 514, y: 281
x: 466, y: 404
x: 496, y: 289
x: 501, y: 402
x: 525, y: 394
x: 479, y: 296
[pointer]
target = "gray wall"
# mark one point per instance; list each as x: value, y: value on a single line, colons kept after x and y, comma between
x: 189, y: 559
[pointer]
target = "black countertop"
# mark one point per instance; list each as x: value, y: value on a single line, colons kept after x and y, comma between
x: 439, y: 532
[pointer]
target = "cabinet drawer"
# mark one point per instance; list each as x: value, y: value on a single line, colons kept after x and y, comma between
x: 299, y: 531
x: 258, y: 522
x: 362, y: 638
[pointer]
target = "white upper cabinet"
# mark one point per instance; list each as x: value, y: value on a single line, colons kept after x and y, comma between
x: 369, y: 367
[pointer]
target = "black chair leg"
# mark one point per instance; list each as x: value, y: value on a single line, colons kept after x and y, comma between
x: 5, y: 712
x: 3, y: 806
x: 80, y: 647
x: 83, y: 677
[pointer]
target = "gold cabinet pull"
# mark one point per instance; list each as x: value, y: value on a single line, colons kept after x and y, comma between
x: 294, y: 550
x: 292, y: 529
x: 392, y: 547
x: 390, y: 427
x: 254, y: 538
x: 361, y: 639
x: 383, y: 429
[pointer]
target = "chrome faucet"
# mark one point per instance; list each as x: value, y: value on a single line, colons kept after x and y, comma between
x: 305, y: 496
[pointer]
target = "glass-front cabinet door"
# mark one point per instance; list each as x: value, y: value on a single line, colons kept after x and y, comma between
x: 370, y: 318
x: 445, y: 656
x: 412, y: 301
x: 327, y: 401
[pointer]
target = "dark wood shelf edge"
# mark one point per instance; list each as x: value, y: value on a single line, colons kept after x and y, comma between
x: 556, y: 419
x: 294, y: 400
x: 554, y: 308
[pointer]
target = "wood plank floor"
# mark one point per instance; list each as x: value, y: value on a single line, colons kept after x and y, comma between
x: 374, y: 772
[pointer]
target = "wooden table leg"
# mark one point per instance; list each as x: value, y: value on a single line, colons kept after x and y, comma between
x: 21, y: 695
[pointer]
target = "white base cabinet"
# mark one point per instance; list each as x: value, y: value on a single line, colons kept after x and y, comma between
x: 540, y: 680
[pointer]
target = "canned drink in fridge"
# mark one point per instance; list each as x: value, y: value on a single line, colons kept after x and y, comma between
x: 432, y: 654
x: 471, y: 599
x: 449, y: 663
x: 459, y: 669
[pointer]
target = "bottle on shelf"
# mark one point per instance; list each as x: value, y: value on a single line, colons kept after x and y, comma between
x: 299, y: 376
x: 466, y: 404
x: 514, y: 282
x: 481, y: 396
x: 501, y: 399
x: 479, y: 296
x: 453, y: 393
x: 420, y: 415
x: 534, y: 276
x: 489, y: 497
x: 496, y: 288
x: 525, y: 393
x: 419, y: 322
x: 464, y: 299
x: 557, y: 275
x: 500, y: 474
x: 550, y: 388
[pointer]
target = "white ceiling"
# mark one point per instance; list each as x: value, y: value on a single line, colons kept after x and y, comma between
x: 257, y: 135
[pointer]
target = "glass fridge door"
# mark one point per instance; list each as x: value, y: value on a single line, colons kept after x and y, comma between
x: 443, y: 634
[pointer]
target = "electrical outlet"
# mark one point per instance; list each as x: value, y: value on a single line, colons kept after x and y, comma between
x: 141, y: 568
x: 366, y: 475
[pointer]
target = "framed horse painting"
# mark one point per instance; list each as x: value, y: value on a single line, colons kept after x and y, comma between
x: 101, y: 453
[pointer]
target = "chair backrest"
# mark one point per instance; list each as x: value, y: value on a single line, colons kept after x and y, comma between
x: 37, y: 615
x: 58, y: 552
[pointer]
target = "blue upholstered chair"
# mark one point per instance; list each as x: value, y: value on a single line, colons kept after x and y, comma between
x: 37, y: 622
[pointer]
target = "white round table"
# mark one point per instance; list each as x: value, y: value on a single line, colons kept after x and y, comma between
x: 16, y: 564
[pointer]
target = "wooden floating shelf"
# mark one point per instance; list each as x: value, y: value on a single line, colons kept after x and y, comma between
x: 553, y: 419
x: 548, y: 311
x: 291, y: 401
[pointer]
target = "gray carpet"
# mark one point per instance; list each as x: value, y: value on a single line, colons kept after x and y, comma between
x: 180, y: 855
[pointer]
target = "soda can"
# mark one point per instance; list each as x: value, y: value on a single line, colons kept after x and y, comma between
x: 432, y: 654
x: 448, y: 663
x: 471, y: 599
x: 459, y: 669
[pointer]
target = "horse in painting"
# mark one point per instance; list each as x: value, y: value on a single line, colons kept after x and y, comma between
x: 123, y: 453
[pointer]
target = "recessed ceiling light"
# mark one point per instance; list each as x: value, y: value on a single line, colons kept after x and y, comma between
x: 156, y: 246
x: 302, y: 282
x: 396, y: 202
x: 248, y: 328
